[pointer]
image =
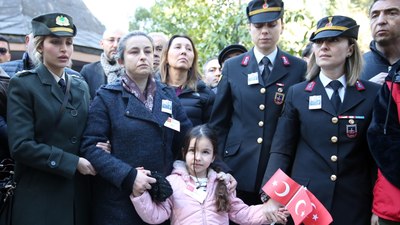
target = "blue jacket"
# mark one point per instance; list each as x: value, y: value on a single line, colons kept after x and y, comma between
x: 138, y: 139
x: 12, y: 67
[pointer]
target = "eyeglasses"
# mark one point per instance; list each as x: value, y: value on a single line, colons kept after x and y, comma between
x: 3, y: 51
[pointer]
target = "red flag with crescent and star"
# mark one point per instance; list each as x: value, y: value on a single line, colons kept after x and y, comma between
x: 281, y: 187
x: 299, y: 206
x: 319, y: 215
x: 303, y: 206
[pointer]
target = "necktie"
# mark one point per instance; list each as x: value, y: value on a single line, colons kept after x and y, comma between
x: 265, y: 61
x: 61, y: 82
x: 335, y: 99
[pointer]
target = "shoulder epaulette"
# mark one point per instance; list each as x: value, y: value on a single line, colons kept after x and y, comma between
x: 359, y: 86
x: 75, y: 76
x: 25, y: 72
x: 310, y: 86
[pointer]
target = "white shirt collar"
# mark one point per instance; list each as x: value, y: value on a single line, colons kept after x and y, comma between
x: 259, y: 56
x: 57, y: 78
x: 326, y: 80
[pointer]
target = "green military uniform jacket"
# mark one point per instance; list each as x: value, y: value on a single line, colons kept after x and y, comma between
x: 50, y: 190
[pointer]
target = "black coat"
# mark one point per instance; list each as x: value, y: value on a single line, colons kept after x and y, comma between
x: 318, y: 149
x: 94, y: 75
x: 245, y: 116
x: 374, y: 63
x: 385, y: 147
x: 198, y: 104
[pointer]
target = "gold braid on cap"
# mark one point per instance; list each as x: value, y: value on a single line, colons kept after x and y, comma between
x: 341, y: 28
x: 66, y: 29
x: 271, y: 9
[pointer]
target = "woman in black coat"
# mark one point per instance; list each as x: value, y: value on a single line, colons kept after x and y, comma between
x: 320, y: 139
x: 179, y: 69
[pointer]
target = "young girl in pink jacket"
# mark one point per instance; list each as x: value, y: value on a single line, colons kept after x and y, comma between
x: 198, y: 196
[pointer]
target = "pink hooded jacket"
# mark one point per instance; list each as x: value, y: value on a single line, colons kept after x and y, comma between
x: 185, y: 210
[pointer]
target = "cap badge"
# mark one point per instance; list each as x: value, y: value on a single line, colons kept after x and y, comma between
x: 62, y: 21
x: 329, y: 24
x: 265, y: 5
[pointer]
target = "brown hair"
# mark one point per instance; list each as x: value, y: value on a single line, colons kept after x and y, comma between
x: 221, y: 192
x: 193, y: 74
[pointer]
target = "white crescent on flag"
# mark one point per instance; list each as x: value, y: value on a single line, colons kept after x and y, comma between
x: 285, y: 192
x: 296, y: 209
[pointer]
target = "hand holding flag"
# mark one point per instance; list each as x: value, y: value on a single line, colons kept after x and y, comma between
x: 300, y: 202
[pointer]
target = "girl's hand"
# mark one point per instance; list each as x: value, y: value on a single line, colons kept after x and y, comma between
x: 85, y: 167
x: 229, y: 180
x: 105, y: 146
x: 275, y: 212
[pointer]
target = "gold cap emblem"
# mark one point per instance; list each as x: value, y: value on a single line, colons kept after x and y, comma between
x: 62, y: 21
x: 329, y: 24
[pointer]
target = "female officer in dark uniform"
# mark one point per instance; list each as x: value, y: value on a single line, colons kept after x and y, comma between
x: 321, y: 136
x: 47, y: 111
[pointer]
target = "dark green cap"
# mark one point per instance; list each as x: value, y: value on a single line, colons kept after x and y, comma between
x: 57, y: 24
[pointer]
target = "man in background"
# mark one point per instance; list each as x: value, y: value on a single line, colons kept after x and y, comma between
x: 385, y: 47
x: 159, y: 41
x: 212, y: 73
x: 107, y: 70
x: 5, y: 54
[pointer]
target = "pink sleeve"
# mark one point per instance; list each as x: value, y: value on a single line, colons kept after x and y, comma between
x: 149, y: 211
x: 241, y: 213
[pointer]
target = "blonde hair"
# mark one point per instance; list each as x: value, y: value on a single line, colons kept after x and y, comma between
x: 193, y: 74
x: 353, y: 65
x: 38, y: 42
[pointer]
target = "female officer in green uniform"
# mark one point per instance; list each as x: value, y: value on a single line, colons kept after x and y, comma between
x: 47, y: 111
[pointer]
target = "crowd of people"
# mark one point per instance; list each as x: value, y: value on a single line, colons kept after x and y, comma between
x: 87, y: 145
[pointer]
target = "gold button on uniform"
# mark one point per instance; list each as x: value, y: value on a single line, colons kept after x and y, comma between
x: 262, y: 90
x: 333, y: 177
x: 259, y: 140
x: 333, y: 158
x: 335, y: 120
x: 262, y: 107
x: 334, y: 139
x: 261, y: 124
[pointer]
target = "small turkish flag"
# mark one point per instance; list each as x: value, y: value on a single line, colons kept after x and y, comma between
x: 319, y: 214
x: 299, y: 206
x: 281, y: 187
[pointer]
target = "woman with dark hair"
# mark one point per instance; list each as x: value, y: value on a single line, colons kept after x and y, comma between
x: 320, y: 139
x: 46, y: 115
x: 179, y: 69
x: 145, y: 123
